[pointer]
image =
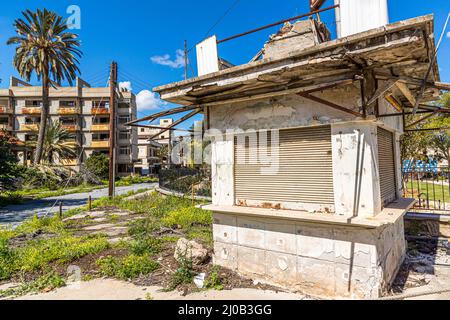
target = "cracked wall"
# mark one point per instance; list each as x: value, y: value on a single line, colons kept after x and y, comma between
x: 316, y: 259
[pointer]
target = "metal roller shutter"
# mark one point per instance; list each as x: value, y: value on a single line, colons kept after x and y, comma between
x: 305, y: 172
x: 386, y: 162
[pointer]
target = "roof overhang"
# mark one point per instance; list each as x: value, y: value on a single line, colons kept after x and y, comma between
x: 402, y: 49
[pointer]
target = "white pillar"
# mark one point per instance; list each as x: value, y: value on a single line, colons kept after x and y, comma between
x: 355, y: 169
x: 222, y: 169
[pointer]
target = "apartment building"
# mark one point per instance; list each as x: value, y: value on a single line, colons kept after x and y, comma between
x: 82, y: 110
x: 148, y: 160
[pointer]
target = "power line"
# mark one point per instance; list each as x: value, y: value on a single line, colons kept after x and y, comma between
x: 234, y: 4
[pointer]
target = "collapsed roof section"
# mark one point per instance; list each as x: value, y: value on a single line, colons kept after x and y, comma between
x: 401, y: 51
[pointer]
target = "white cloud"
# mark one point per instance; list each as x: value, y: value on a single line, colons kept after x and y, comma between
x: 125, y: 85
x: 147, y: 100
x: 448, y: 34
x: 165, y: 60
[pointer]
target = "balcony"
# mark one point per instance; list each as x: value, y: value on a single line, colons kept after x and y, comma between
x: 5, y: 110
x: 29, y: 127
x: 69, y: 162
x: 31, y: 110
x: 100, y: 127
x: 100, y: 144
x: 71, y: 127
x: 99, y: 110
x: 68, y: 110
x: 5, y: 126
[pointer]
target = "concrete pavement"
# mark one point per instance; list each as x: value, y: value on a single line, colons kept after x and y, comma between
x: 15, y: 214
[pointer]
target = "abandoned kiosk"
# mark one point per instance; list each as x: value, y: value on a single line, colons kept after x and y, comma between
x: 329, y: 220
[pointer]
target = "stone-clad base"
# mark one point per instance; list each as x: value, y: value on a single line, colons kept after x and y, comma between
x: 314, y: 258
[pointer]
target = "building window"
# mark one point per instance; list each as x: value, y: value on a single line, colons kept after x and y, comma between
x: 33, y: 103
x: 124, y: 151
x: 101, y: 103
x: 69, y: 104
x: 124, y: 119
x: 125, y: 168
x: 124, y: 135
x: 142, y: 130
x: 100, y: 137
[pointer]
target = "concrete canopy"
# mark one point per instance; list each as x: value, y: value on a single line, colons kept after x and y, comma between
x: 401, y: 50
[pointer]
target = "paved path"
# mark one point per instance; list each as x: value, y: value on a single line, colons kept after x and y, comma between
x: 14, y: 214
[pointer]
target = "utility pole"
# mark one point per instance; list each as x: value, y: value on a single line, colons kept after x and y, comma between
x: 112, y: 129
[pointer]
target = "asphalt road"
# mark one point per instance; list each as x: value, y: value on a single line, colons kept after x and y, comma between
x: 15, y: 214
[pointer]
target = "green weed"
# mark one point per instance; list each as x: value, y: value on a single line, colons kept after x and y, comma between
x: 126, y: 268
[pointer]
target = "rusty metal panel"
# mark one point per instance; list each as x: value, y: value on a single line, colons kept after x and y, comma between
x: 207, y: 56
x: 354, y: 16
x: 304, y: 175
x: 386, y: 164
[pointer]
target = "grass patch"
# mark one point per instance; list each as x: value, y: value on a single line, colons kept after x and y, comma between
x: 37, y: 254
x: 146, y: 246
x: 436, y: 191
x: 188, y: 217
x: 129, y: 267
x: 47, y: 282
x: 52, y: 225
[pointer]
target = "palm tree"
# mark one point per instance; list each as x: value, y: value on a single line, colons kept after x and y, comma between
x: 58, y: 143
x: 45, y: 48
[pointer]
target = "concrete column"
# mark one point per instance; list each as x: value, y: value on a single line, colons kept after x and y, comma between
x: 355, y: 169
x: 398, y: 165
x: 222, y: 169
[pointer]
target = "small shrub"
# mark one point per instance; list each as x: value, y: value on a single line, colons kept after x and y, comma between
x: 147, y: 245
x: 98, y: 165
x: 213, y: 281
x: 188, y: 217
x: 183, y: 275
x: 126, y: 268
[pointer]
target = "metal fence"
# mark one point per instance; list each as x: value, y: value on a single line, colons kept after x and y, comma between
x: 186, y: 180
x: 430, y: 185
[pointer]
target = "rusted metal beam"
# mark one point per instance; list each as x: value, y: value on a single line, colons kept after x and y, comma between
x: 162, y: 114
x: 381, y: 91
x: 329, y: 104
x: 410, y: 113
x: 278, y: 23
x: 421, y: 119
x: 397, y: 105
x: 158, y: 127
x: 183, y: 119
x: 428, y: 129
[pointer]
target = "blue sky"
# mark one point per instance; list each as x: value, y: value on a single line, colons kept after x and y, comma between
x: 132, y: 32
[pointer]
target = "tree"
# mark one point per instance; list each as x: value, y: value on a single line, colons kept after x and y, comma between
x: 9, y: 169
x: 98, y: 164
x: 58, y: 143
x: 440, y: 142
x: 44, y: 47
x: 416, y: 145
